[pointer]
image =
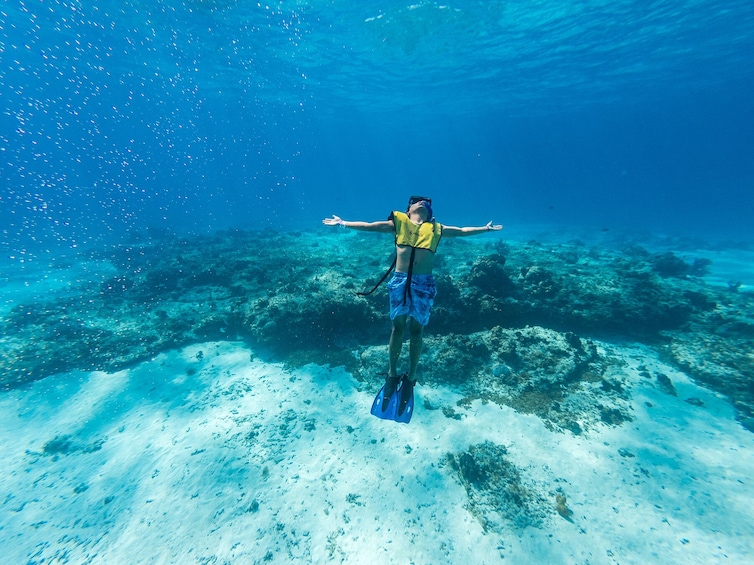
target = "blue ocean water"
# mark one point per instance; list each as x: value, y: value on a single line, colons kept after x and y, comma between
x: 122, y: 117
x: 205, y: 398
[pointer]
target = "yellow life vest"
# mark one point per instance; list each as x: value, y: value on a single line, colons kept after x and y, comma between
x: 422, y: 236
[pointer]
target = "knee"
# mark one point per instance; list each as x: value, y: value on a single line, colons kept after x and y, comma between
x: 399, y: 326
x: 416, y: 329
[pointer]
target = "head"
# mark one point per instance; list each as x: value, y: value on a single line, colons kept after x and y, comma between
x: 421, y: 202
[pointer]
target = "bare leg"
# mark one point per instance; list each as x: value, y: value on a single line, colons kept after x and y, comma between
x: 415, y: 348
x: 396, y: 344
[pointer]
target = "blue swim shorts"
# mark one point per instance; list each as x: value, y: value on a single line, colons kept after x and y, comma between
x: 418, y: 303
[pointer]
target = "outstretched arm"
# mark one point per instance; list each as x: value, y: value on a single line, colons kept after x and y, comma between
x: 453, y: 231
x: 384, y: 226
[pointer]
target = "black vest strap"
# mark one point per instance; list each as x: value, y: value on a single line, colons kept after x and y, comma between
x: 382, y: 280
x: 407, y: 288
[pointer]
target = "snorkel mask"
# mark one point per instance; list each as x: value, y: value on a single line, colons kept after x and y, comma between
x: 427, y: 203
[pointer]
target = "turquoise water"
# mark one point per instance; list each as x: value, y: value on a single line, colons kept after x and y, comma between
x: 186, y: 371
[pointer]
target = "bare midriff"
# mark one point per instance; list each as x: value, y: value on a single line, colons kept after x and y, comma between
x: 424, y: 260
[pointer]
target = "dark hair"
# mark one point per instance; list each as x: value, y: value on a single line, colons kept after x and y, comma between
x: 414, y: 199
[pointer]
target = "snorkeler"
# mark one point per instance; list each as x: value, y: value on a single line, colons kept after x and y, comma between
x: 412, y: 292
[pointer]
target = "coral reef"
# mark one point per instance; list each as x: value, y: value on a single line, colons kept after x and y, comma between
x: 561, y: 378
x: 497, y: 491
x: 572, y: 289
x: 505, y: 327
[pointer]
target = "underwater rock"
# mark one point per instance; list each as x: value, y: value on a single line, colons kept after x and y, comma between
x: 538, y: 281
x: 68, y: 445
x: 700, y: 300
x: 670, y: 265
x: 722, y: 363
x: 700, y: 267
x: 665, y: 384
x: 456, y: 358
x: 488, y: 276
x: 450, y: 312
x: 715, y: 349
x: 560, y: 378
x: 614, y: 416
x: 62, y: 445
x: 597, y: 293
x: 498, y: 494
x: 561, y: 506
x: 734, y: 285
x: 312, y: 320
x: 509, y: 322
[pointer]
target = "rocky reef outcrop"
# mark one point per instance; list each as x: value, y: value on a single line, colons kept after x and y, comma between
x: 508, y: 316
x: 565, y: 380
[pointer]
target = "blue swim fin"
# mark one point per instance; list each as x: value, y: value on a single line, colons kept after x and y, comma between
x: 399, y: 406
x: 404, y: 401
x: 384, y: 407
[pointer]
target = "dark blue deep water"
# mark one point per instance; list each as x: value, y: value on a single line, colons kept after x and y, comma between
x: 121, y: 117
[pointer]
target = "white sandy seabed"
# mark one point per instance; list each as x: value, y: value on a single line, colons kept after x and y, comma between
x: 207, y: 455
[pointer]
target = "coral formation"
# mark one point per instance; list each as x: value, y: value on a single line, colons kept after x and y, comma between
x: 561, y: 378
x: 498, y: 494
x: 505, y: 327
